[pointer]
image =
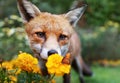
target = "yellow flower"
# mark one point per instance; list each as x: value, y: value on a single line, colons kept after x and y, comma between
x: 26, y: 62
x: 65, y: 68
x: 36, y: 69
x: 13, y: 78
x: 55, y: 66
x: 18, y: 71
x: 8, y: 65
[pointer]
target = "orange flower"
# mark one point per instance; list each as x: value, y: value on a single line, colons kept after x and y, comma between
x: 27, y: 62
x: 55, y: 66
x: 8, y: 65
x: 13, y: 78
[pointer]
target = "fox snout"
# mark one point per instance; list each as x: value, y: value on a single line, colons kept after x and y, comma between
x: 46, y: 52
x: 52, y: 52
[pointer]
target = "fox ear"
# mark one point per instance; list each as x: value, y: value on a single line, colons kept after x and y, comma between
x: 27, y: 10
x: 74, y: 15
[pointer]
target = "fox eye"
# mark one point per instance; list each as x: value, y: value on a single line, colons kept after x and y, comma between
x: 62, y: 37
x: 41, y: 34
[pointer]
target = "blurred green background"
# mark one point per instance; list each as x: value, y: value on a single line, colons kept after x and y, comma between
x: 99, y: 28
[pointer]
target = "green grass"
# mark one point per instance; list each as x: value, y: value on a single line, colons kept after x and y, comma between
x: 101, y: 75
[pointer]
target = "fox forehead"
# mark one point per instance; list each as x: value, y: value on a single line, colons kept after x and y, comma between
x: 49, y: 22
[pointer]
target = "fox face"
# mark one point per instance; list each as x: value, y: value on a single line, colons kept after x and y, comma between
x: 48, y: 33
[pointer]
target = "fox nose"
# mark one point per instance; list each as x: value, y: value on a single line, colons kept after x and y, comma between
x: 52, y: 52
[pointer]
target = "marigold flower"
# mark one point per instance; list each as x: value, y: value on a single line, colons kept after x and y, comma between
x: 18, y: 71
x: 27, y: 62
x: 13, y: 78
x: 8, y: 65
x: 36, y: 69
x: 55, y: 66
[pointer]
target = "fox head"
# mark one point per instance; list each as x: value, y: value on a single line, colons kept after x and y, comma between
x: 48, y: 33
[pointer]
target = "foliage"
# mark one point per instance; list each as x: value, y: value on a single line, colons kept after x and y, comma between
x: 12, y: 37
x: 4, y: 75
x: 100, y: 12
x: 12, y: 21
x: 53, y: 6
x: 101, y: 42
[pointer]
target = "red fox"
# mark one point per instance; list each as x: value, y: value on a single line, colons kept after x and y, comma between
x: 50, y: 33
